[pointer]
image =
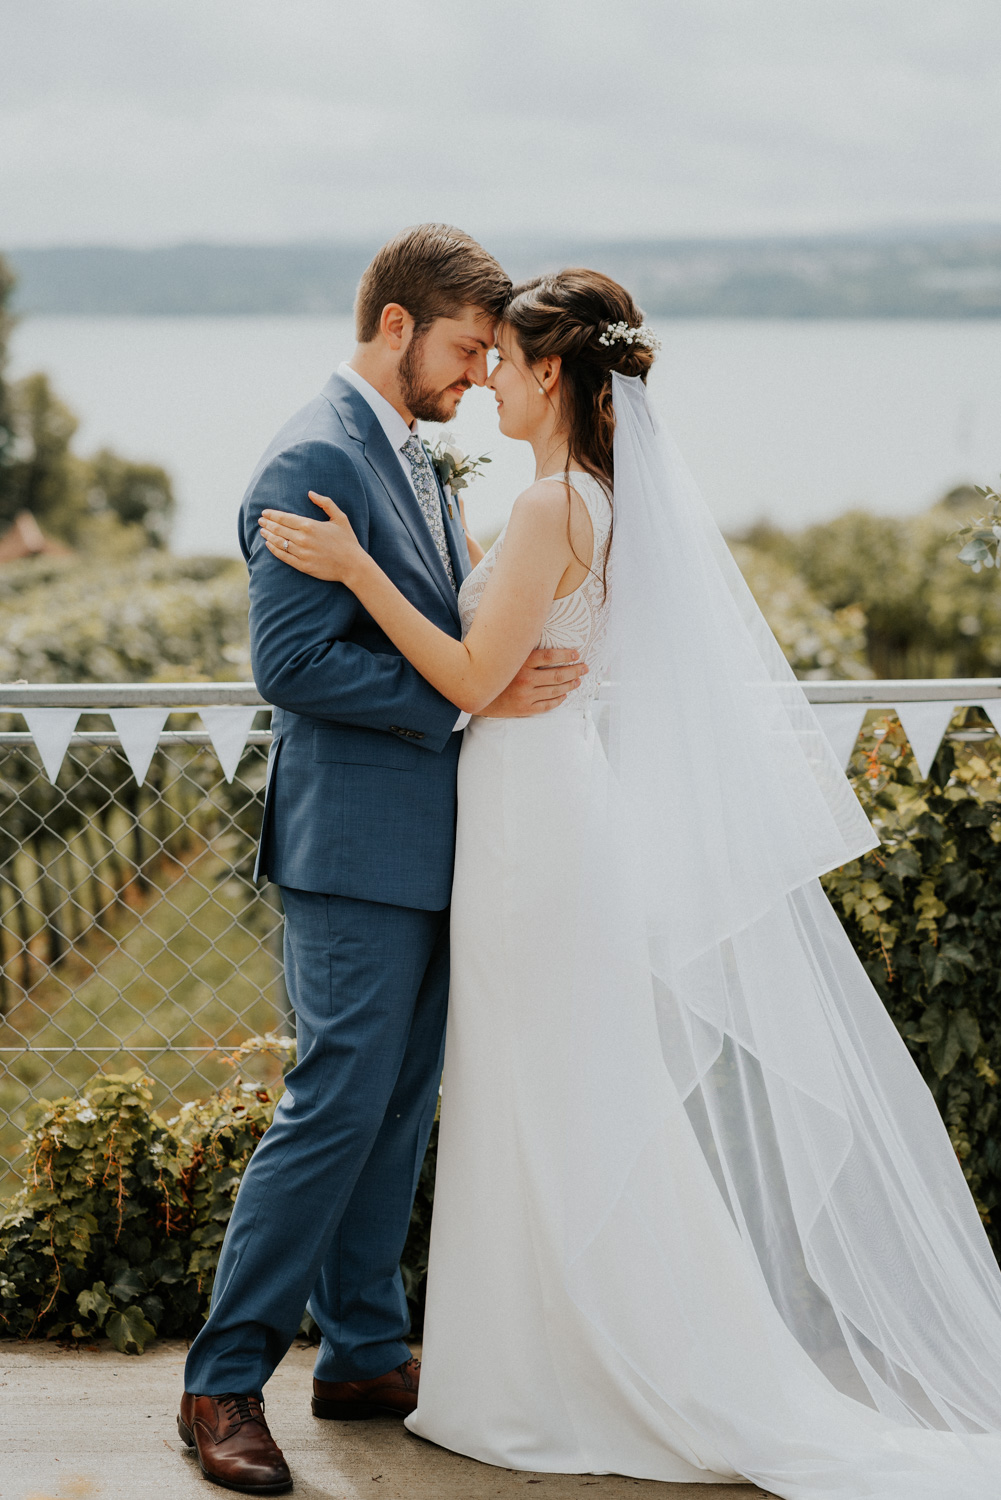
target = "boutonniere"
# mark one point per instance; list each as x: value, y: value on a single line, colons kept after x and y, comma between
x: 454, y: 468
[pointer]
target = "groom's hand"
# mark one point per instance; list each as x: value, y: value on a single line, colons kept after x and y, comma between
x: 543, y: 682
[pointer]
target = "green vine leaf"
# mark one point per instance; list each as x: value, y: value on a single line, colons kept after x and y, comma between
x: 967, y: 1029
x: 129, y: 1331
x: 128, y: 1284
x: 95, y: 1303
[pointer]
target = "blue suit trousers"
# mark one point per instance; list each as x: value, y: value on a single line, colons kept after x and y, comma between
x: 322, y: 1213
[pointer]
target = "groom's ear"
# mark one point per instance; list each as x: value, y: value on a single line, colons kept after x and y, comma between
x: 396, y: 326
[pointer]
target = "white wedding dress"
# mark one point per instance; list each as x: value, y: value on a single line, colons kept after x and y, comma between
x: 597, y: 1301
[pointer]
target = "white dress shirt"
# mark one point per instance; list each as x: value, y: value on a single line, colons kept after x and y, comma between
x: 397, y: 432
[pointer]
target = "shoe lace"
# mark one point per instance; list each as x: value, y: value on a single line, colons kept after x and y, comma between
x: 239, y: 1409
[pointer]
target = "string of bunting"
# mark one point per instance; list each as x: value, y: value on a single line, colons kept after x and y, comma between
x: 229, y: 725
x: 139, y: 730
x: 923, y: 723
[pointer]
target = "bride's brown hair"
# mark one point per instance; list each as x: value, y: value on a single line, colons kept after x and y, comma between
x: 567, y: 314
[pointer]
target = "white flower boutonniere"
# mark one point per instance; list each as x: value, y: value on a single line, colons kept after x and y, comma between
x: 454, y: 468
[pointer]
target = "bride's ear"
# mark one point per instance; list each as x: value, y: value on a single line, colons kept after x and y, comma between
x: 547, y: 372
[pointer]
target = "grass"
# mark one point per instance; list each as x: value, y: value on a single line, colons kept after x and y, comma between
x: 188, y: 964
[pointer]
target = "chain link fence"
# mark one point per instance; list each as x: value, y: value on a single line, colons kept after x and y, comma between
x: 131, y: 932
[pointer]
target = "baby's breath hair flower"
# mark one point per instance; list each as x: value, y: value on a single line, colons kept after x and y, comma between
x: 623, y: 333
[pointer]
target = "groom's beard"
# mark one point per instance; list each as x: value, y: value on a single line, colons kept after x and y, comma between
x: 426, y: 404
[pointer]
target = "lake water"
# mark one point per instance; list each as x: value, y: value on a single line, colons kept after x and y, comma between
x: 794, y: 421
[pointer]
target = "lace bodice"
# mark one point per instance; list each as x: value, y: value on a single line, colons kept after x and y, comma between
x: 578, y: 622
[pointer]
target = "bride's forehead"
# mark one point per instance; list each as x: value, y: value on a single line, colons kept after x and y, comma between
x: 505, y: 340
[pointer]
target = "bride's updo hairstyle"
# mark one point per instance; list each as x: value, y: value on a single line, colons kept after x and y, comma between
x: 586, y: 318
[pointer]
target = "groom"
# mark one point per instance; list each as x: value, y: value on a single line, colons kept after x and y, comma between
x: 359, y: 833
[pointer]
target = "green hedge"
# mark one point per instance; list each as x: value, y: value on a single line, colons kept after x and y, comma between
x: 119, y: 1227
x: 924, y: 914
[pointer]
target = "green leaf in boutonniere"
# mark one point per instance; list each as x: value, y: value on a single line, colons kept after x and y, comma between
x: 454, y: 468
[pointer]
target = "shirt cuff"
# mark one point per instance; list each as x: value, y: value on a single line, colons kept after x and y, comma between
x: 461, y: 722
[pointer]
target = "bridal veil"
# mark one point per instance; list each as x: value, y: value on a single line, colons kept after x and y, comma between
x: 703, y: 911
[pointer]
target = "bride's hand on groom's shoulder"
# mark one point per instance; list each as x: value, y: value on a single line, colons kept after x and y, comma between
x: 542, y: 684
x: 323, y: 549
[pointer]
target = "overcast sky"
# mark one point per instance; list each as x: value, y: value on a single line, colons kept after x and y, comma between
x: 153, y: 121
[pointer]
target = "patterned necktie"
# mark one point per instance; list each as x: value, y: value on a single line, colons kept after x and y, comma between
x: 428, y: 499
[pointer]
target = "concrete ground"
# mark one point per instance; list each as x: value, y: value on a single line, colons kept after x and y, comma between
x: 92, y: 1424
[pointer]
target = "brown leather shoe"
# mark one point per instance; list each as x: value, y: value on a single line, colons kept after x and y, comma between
x: 234, y: 1446
x: 394, y: 1394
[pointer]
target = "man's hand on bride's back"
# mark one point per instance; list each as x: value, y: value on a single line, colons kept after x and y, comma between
x: 541, y: 684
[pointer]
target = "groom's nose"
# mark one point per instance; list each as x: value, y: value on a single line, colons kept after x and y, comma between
x: 476, y: 370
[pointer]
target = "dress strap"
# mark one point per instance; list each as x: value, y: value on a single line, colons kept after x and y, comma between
x: 588, y: 492
x: 562, y: 474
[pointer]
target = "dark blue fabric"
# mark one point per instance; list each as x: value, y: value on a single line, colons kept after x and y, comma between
x: 359, y: 832
x: 361, y: 777
x: 324, y: 1205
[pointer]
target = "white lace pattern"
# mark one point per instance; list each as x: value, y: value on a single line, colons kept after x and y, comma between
x: 580, y: 620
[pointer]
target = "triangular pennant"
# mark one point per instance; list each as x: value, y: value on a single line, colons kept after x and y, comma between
x: 52, y: 729
x: 841, y: 723
x: 228, y: 729
x: 139, y: 729
x: 992, y: 708
x: 924, y: 725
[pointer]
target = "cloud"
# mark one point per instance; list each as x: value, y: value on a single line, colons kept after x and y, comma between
x: 249, y: 120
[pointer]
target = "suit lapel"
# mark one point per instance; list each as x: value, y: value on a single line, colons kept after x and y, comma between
x: 384, y: 461
x: 361, y: 422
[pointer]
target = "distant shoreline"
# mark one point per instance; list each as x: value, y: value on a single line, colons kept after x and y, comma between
x: 37, y: 314
x: 954, y: 274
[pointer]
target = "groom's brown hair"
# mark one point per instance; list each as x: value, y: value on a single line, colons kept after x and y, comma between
x: 433, y: 270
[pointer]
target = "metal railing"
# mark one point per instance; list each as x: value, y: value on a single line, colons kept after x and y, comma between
x: 131, y: 931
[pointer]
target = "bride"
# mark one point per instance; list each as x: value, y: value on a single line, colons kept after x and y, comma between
x: 696, y: 1215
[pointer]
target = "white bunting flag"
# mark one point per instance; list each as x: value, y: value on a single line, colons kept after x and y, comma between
x: 139, y: 729
x: 924, y: 725
x: 841, y: 723
x: 52, y: 730
x: 228, y: 728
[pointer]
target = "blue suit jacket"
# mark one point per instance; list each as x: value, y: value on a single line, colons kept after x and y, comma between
x: 360, y: 796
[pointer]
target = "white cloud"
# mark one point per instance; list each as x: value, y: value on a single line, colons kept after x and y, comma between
x: 254, y: 120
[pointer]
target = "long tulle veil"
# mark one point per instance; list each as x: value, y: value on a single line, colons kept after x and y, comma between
x: 734, y: 982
